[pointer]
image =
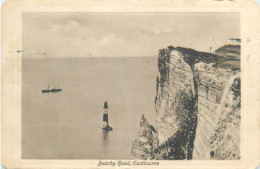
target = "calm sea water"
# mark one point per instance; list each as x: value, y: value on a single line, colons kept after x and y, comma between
x: 67, y: 124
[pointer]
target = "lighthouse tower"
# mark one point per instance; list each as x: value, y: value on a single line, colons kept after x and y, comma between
x: 105, y: 118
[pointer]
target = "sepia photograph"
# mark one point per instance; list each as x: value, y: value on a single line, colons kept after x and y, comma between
x: 131, y: 85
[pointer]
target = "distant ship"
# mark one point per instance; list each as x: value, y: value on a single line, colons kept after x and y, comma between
x: 53, y: 90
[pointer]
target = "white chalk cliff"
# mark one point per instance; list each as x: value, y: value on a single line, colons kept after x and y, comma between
x: 198, y: 104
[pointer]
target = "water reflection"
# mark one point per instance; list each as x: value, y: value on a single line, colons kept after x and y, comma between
x: 105, y: 137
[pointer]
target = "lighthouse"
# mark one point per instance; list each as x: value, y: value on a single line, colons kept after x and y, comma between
x: 105, y: 118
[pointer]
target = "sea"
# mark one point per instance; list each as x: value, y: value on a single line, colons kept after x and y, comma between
x: 68, y: 124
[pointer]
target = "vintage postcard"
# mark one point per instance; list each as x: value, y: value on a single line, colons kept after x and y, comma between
x: 130, y: 84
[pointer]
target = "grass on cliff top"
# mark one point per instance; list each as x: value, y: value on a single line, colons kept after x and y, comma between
x: 225, y: 56
x: 231, y: 51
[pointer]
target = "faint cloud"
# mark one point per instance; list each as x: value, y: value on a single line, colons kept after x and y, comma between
x: 109, y: 38
x: 158, y: 30
x: 70, y: 26
x: 54, y: 28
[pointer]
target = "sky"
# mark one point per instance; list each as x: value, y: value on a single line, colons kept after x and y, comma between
x: 111, y: 34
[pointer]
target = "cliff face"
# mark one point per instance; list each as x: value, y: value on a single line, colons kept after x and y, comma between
x: 176, y: 108
x: 197, y: 105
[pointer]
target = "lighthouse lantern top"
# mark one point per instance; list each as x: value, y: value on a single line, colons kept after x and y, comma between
x: 105, y: 105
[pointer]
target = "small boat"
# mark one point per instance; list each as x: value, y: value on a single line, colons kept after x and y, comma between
x: 106, y: 126
x: 53, y: 90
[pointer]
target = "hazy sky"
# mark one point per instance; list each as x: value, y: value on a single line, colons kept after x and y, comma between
x: 124, y: 34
